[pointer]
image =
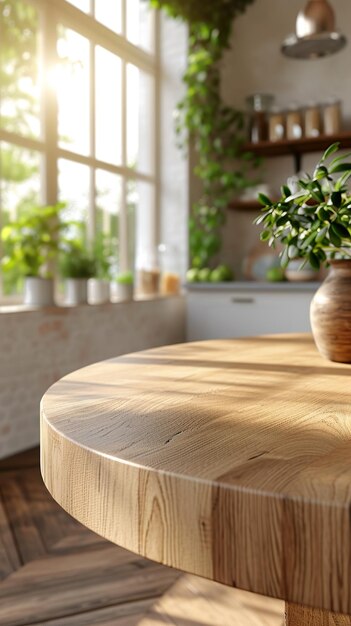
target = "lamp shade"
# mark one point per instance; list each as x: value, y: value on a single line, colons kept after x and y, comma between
x: 316, y: 35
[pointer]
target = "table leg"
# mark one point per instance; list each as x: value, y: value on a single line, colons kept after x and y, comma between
x: 297, y: 615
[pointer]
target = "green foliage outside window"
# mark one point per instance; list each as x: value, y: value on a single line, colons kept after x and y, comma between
x: 19, y: 114
x: 19, y: 24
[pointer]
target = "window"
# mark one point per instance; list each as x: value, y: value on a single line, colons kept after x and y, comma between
x: 78, y: 116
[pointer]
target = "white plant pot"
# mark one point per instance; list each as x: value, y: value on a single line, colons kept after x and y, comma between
x: 76, y: 291
x: 98, y: 291
x: 38, y: 291
x: 124, y: 292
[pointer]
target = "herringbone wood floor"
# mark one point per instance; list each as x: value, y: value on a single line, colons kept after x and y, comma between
x: 54, y: 572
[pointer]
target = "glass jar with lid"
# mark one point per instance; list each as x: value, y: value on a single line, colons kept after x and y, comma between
x: 276, y: 124
x: 147, y: 273
x: 169, y: 262
x: 294, y: 122
x: 259, y: 105
x: 332, y: 116
x: 313, y: 120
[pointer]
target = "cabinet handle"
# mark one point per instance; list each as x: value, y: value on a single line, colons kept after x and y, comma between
x: 243, y: 300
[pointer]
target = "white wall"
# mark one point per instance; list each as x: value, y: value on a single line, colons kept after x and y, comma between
x: 174, y: 200
x: 40, y: 346
x: 255, y: 64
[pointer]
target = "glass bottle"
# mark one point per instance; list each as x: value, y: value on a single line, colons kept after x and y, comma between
x: 147, y: 273
x: 259, y: 105
x: 313, y: 120
x: 294, y: 122
x: 170, y: 271
x: 332, y: 117
x: 276, y: 124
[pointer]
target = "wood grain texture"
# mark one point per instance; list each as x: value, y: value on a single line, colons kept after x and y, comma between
x: 331, y: 314
x: 82, y: 580
x: 226, y: 459
x: 9, y: 557
x: 194, y: 601
x: 68, y: 585
x: 55, y: 571
x: 297, y: 146
x: 296, y: 615
x: 129, y: 614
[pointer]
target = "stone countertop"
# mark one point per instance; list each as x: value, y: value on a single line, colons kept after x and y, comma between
x: 279, y: 287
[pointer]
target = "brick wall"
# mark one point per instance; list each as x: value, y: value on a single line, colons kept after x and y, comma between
x: 37, y: 347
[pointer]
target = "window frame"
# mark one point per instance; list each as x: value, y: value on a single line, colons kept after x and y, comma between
x: 53, y: 13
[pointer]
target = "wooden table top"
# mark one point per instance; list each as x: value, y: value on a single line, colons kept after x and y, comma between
x: 230, y: 459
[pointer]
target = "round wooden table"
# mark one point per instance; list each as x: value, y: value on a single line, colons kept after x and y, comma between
x: 228, y: 459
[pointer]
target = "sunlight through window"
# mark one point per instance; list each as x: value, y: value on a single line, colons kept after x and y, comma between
x: 78, y: 117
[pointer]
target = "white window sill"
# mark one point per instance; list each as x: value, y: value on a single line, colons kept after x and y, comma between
x: 23, y: 308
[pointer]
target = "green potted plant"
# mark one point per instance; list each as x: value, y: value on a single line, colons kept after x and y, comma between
x: 314, y: 225
x: 31, y: 244
x: 104, y: 252
x: 125, y: 286
x: 77, y: 265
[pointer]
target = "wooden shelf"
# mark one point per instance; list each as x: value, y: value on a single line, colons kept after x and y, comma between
x: 297, y: 146
x: 245, y: 205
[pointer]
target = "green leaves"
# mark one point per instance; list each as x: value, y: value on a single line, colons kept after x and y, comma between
x: 340, y: 230
x: 336, y: 199
x: 213, y: 20
x: 320, y: 173
x: 76, y: 261
x: 322, y: 234
x: 329, y: 151
x: 265, y: 235
x: 314, y: 260
x: 215, y: 130
x: 334, y: 238
x: 314, y: 223
x: 32, y: 242
x: 264, y: 200
x: 293, y: 252
x: 340, y: 167
x: 285, y: 191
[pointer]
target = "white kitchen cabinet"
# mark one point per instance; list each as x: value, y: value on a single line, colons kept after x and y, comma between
x: 224, y: 311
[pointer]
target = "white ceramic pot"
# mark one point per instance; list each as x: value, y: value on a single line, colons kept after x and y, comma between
x: 76, y: 291
x: 124, y: 292
x: 98, y: 291
x: 38, y: 291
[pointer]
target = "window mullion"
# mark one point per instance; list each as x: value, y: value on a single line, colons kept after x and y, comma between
x: 49, y: 107
x: 124, y: 18
x: 73, y: 18
x: 92, y: 189
x: 1, y: 224
x: 157, y: 127
x: 123, y: 218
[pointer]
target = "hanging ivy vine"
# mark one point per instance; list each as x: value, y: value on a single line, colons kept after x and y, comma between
x: 214, y: 129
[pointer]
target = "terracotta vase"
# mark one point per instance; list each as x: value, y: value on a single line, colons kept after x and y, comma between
x: 331, y: 314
